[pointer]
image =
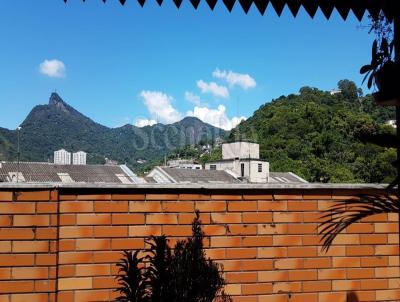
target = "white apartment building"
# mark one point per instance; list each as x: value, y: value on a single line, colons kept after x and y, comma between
x: 242, y: 159
x: 62, y: 157
x: 79, y: 158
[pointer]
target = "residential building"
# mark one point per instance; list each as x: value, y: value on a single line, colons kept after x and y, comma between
x: 184, y: 164
x: 62, y: 157
x: 79, y: 158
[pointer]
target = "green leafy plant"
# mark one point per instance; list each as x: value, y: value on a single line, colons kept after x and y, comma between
x: 181, y: 274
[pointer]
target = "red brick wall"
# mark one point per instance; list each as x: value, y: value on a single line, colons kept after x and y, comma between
x: 64, y: 248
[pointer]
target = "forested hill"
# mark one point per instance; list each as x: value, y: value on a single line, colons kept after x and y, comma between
x: 316, y: 135
x: 57, y: 125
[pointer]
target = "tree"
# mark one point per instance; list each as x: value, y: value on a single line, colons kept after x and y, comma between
x: 348, y: 89
x: 181, y: 275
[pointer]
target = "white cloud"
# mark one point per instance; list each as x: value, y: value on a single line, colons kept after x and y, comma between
x: 232, y: 78
x: 192, y: 98
x: 213, y: 88
x: 142, y: 122
x: 160, y: 106
x: 216, y: 117
x: 52, y: 68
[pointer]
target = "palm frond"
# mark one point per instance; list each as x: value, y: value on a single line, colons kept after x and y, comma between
x: 346, y: 212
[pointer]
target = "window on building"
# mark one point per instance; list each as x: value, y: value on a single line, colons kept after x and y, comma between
x: 259, y: 167
x: 213, y: 167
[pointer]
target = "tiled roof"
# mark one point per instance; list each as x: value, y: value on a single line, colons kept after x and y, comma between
x: 48, y: 172
x: 285, y: 177
x: 199, y: 176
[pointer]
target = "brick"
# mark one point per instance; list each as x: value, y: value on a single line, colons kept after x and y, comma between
x: 15, y: 234
x: 272, y: 252
x: 30, y: 272
x: 76, y: 232
x: 5, y: 247
x: 75, y: 257
x: 374, y: 261
x: 225, y: 241
x: 92, y: 296
x: 215, y: 254
x: 317, y: 262
x: 67, y: 245
x: 92, y: 244
x: 66, y: 271
x: 388, y: 295
x: 177, y: 230
x: 312, y: 240
x: 358, y: 228
x: 36, y: 297
x: 257, y: 197
x: 162, y: 196
x: 360, y: 250
x: 6, y: 196
x: 302, y: 275
x: 107, y: 257
x: 242, y: 206
x: 272, y: 228
x: 360, y: 273
x: 317, y: 286
x: 287, y: 217
x: 226, y: 217
x: 16, y: 260
x: 178, y: 206
x: 46, y: 207
x: 67, y: 219
x: 345, y: 285
x: 302, y: 228
x: 256, y: 241
x: 17, y: 207
x: 45, y: 286
x: 145, y: 206
x: 5, y: 273
x: 241, y: 277
x: 46, y: 233
x: 376, y: 218
x: 233, y: 289
x: 104, y: 282
x: 346, y: 262
x: 194, y: 197
x: 226, y: 197
x: 30, y: 246
x: 288, y: 263
x: 286, y: 240
x: 296, y: 297
x: 272, y: 298
x: 76, y: 207
x: 386, y: 250
x: 45, y: 259
x: 387, y: 272
x: 5, y: 220
x: 16, y: 287
x: 31, y: 220
x: 373, y: 239
x: 93, y: 219
x: 33, y: 196
x: 186, y: 218
x: 110, y: 231
x: 128, y: 197
x: 273, y: 276
x: 161, y: 219
x: 344, y: 239
x: 269, y: 205
x: 257, y: 217
x: 302, y: 252
x: 111, y: 206
x: 374, y: 284
x: 74, y: 283
x: 63, y: 197
x: 211, y: 206
x: 257, y: 289
x: 256, y: 264
x: 289, y: 287
x: 92, y: 270
x: 330, y: 297
x: 331, y: 274
x: 215, y: 230
x: 128, y: 219
x: 241, y: 253
x: 144, y: 231
x: 302, y: 205
x: 127, y: 244
x: 94, y: 197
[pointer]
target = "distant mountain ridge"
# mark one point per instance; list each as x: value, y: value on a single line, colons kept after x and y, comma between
x: 58, y: 125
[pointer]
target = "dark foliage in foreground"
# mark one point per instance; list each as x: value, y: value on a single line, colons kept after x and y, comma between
x: 183, y: 274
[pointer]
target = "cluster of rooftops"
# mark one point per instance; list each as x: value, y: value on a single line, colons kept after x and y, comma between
x: 240, y: 163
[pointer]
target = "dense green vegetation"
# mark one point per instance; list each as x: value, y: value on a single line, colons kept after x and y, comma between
x: 317, y: 135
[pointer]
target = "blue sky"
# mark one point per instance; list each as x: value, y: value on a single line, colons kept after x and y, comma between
x: 127, y: 64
